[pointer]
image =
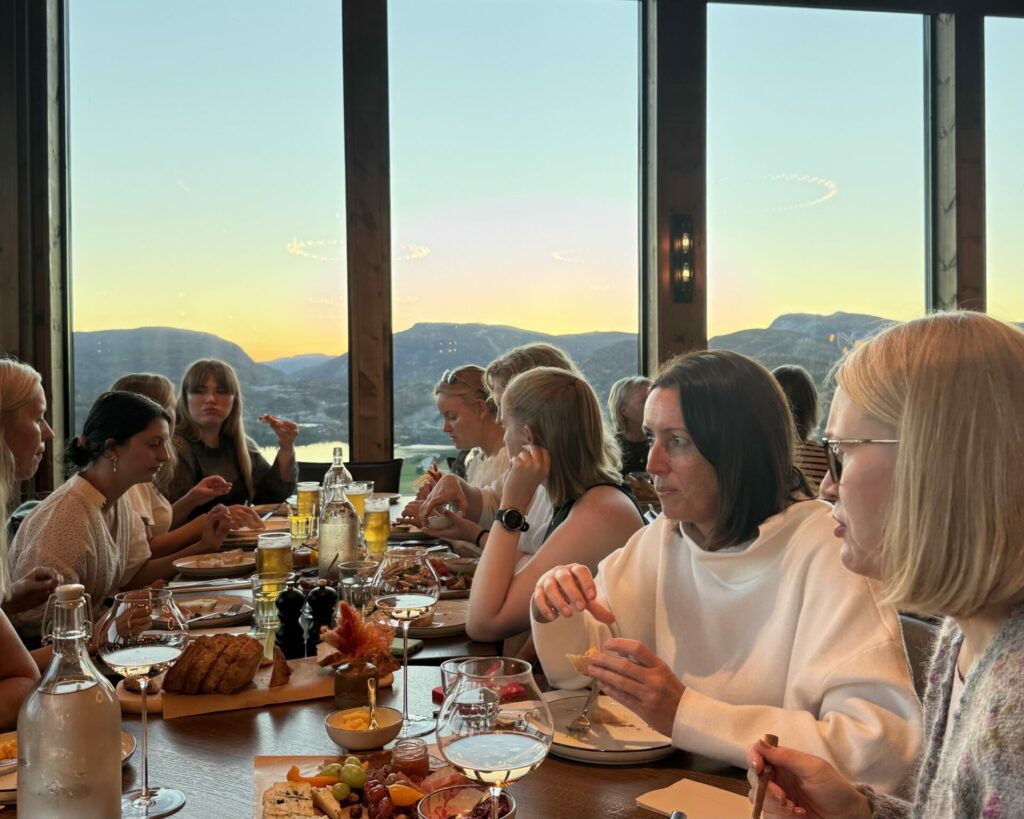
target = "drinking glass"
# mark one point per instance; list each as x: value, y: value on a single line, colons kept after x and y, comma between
x: 274, y: 553
x: 307, y: 496
x: 450, y: 672
x: 494, y: 727
x: 376, y: 526
x: 266, y: 587
x: 142, y: 634
x: 405, y: 588
x: 357, y: 492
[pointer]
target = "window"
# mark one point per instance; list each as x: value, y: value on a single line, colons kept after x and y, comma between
x: 815, y: 180
x: 514, y: 166
x: 1004, y: 185
x: 207, y: 202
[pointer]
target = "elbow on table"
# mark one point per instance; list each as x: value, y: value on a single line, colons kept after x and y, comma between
x: 483, y: 630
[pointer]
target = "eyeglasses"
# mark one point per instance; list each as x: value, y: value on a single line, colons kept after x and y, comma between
x: 831, y: 447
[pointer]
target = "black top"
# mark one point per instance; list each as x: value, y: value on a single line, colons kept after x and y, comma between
x: 634, y: 455
x: 561, y: 511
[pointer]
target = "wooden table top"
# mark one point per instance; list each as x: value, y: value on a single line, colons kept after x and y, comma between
x: 210, y: 758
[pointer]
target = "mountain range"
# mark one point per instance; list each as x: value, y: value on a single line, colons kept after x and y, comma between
x: 312, y: 389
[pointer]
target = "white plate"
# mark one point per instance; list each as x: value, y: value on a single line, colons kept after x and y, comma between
x: 188, y: 568
x: 9, y: 782
x: 629, y: 743
x: 449, y: 620
x: 224, y: 602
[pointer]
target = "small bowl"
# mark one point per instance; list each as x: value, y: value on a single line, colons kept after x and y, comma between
x: 457, y: 800
x: 439, y: 521
x: 462, y: 565
x: 389, y: 721
x: 357, y: 568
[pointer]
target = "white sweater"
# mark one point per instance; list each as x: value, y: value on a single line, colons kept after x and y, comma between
x: 67, y: 532
x: 778, y: 638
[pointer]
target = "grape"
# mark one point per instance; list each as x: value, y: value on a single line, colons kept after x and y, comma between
x: 334, y: 769
x: 341, y: 791
x: 352, y: 760
x: 374, y: 791
x: 391, y: 779
x: 353, y: 775
x: 385, y: 809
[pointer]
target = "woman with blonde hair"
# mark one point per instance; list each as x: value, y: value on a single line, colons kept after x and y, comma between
x: 556, y: 439
x: 23, y: 436
x: 626, y: 409
x: 210, y: 440
x: 925, y: 447
x: 729, y: 616
x: 470, y: 417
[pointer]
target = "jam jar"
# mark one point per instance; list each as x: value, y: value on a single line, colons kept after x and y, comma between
x: 410, y: 757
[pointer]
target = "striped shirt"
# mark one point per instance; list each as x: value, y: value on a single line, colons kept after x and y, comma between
x: 810, y: 458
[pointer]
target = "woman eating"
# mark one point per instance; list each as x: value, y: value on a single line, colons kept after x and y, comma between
x: 23, y: 436
x: 556, y: 440
x: 925, y: 448
x: 210, y: 440
x: 731, y: 615
x: 86, y: 529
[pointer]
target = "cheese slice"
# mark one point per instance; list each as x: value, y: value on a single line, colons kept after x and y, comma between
x: 285, y: 800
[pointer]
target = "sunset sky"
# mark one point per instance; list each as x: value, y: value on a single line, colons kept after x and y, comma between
x: 207, y: 183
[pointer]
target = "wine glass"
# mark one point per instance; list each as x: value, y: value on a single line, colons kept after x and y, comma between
x: 404, y: 588
x: 142, y: 635
x: 494, y: 727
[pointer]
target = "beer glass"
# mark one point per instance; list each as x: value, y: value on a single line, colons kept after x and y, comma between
x: 357, y: 493
x: 307, y: 497
x: 274, y: 553
x: 376, y: 527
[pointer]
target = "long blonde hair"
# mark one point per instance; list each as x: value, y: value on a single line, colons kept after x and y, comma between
x: 233, y: 428
x: 952, y: 385
x: 161, y: 390
x: 562, y: 411
x: 526, y: 357
x: 18, y: 382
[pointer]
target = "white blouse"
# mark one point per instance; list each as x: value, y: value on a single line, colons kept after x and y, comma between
x: 154, y: 509
x: 69, y: 532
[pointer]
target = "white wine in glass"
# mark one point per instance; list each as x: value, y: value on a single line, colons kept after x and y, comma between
x: 405, y: 588
x: 142, y: 634
x: 494, y: 727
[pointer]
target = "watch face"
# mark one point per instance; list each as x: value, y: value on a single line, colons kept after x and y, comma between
x: 512, y: 519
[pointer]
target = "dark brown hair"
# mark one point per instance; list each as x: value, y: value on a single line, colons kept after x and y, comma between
x: 739, y: 420
x: 802, y: 395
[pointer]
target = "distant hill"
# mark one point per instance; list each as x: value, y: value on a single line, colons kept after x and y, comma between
x: 295, y: 363
x: 312, y: 389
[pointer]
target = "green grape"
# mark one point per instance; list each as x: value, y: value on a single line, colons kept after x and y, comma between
x: 352, y: 760
x: 353, y: 775
x: 334, y: 769
x: 341, y: 791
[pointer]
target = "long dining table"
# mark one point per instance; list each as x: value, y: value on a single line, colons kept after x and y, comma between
x: 210, y: 758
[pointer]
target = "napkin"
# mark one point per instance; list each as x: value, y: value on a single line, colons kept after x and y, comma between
x: 696, y: 800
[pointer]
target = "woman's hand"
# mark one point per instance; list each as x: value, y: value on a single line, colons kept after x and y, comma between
x: 803, y: 785
x: 210, y: 487
x: 241, y: 516
x: 447, y: 490
x: 458, y: 529
x: 640, y: 680
x: 286, y: 431
x: 32, y: 589
x: 529, y: 469
x: 565, y: 590
x: 216, y: 526
x: 411, y: 513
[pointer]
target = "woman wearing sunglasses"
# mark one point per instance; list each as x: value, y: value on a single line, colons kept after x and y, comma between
x: 925, y: 448
x: 731, y: 616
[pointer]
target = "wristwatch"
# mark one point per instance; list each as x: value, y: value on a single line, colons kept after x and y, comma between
x: 512, y: 519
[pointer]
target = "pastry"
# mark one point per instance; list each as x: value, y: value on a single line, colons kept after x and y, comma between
x: 581, y: 662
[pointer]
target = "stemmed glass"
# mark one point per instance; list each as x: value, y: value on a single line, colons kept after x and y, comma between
x: 494, y: 726
x: 405, y: 588
x: 142, y: 635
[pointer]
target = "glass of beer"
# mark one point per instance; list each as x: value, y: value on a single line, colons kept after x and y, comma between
x: 266, y: 586
x: 307, y: 496
x: 357, y: 492
x: 376, y: 527
x: 274, y: 553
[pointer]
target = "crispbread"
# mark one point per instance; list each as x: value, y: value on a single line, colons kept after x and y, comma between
x: 581, y: 662
x: 285, y: 800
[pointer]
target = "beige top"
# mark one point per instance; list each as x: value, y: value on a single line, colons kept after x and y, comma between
x: 70, y: 533
x: 482, y: 470
x: 154, y: 509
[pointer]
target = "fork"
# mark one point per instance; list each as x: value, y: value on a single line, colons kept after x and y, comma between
x: 231, y: 612
x: 580, y: 726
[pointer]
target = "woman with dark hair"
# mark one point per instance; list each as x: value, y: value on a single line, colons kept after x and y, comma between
x: 210, y: 440
x: 731, y: 616
x: 802, y: 395
x: 86, y: 529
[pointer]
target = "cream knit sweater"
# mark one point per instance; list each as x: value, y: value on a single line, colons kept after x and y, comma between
x: 777, y: 638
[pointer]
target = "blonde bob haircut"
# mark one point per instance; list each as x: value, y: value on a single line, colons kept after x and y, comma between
x: 232, y: 430
x: 467, y: 384
x: 621, y: 391
x: 18, y: 382
x: 564, y: 415
x: 520, y: 359
x: 161, y: 390
x: 952, y: 385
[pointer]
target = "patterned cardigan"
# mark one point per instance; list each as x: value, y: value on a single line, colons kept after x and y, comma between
x: 980, y: 771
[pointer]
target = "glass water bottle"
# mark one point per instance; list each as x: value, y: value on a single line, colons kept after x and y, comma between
x: 339, y: 533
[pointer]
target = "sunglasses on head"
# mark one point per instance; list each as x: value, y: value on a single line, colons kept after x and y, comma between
x: 451, y: 376
x: 832, y: 456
